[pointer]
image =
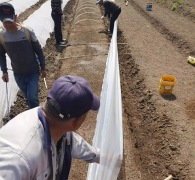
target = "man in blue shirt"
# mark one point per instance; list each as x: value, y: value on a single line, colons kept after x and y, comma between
x: 110, y: 8
x: 22, y: 55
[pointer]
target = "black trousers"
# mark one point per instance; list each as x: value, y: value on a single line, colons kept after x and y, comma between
x: 57, y: 18
x: 113, y: 18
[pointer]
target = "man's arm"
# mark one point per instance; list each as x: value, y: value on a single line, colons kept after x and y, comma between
x: 106, y: 6
x: 3, y: 63
x: 13, y: 166
x: 83, y: 150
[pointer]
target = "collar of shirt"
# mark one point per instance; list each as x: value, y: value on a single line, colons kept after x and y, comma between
x: 46, y: 129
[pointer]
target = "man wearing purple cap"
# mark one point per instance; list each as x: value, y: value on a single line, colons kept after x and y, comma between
x: 39, y: 143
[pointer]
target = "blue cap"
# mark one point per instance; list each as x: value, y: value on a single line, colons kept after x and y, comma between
x: 73, y: 97
x: 7, y: 12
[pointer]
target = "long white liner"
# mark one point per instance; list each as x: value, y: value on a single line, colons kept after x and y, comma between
x: 42, y: 24
x: 20, y: 6
x: 2, y: 1
x: 109, y: 131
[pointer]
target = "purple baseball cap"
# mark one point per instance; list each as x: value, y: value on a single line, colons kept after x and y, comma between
x: 73, y: 97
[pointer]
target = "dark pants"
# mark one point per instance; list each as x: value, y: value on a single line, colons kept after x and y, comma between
x: 28, y: 84
x: 113, y: 18
x: 57, y: 18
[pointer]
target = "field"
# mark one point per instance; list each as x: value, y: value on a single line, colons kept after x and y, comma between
x: 159, y: 136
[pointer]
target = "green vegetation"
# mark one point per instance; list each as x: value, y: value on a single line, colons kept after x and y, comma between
x: 174, y: 7
x: 180, y: 6
x: 176, y: 4
x: 181, y: 2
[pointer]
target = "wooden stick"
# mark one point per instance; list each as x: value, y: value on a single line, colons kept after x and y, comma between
x: 85, y: 56
x: 82, y: 56
x: 48, y: 55
x: 67, y: 45
x: 169, y: 177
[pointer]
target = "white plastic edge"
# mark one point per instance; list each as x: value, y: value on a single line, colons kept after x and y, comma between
x: 109, y: 130
x: 20, y: 6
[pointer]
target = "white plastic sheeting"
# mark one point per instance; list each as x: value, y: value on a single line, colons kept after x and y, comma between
x: 42, y: 24
x: 109, y: 132
x: 12, y: 91
x: 20, y: 6
x: 2, y: 1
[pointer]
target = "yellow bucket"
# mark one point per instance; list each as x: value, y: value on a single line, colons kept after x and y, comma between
x: 166, y: 85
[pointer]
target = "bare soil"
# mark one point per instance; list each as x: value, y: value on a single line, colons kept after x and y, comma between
x: 158, y: 130
x: 183, y: 7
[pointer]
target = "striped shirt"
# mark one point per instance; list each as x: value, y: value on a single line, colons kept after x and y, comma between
x: 22, y: 52
x: 56, y: 6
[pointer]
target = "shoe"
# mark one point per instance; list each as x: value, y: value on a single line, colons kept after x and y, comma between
x: 127, y: 3
x: 64, y: 40
x: 61, y: 44
x: 110, y: 35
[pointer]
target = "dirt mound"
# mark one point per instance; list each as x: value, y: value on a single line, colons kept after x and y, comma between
x: 155, y: 140
x: 182, y: 45
x: 183, y: 7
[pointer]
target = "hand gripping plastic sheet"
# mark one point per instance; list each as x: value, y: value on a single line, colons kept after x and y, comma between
x: 42, y: 24
x: 12, y: 91
x: 109, y: 133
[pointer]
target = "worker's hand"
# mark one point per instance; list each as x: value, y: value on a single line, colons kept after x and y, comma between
x: 43, y: 73
x: 5, y: 77
x: 102, y: 17
x: 63, y: 16
x: 108, y: 22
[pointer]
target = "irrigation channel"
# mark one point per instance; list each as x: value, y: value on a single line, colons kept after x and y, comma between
x: 158, y: 131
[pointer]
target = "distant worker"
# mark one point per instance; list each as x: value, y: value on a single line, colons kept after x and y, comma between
x: 40, y: 143
x: 57, y: 16
x: 110, y: 8
x: 21, y: 44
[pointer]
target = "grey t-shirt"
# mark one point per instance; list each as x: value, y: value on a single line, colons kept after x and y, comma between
x: 22, y: 52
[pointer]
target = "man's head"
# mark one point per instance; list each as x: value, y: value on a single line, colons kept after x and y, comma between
x: 100, y: 2
x: 70, y: 99
x: 7, y: 15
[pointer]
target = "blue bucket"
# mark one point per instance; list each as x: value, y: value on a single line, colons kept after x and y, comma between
x: 149, y: 6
